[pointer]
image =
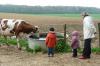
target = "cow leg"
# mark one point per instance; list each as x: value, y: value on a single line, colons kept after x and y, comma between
x: 18, y: 44
x: 6, y: 40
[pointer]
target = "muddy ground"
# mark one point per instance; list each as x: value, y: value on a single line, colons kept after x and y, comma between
x: 10, y: 56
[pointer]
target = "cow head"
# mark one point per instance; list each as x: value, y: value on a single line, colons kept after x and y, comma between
x: 4, y: 24
x: 35, y: 29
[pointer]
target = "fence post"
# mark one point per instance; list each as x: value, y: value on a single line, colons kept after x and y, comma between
x: 65, y: 33
x: 99, y: 32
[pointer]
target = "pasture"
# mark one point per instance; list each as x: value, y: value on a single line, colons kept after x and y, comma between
x: 44, y: 21
x: 38, y: 19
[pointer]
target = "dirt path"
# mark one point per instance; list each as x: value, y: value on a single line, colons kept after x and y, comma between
x: 12, y: 57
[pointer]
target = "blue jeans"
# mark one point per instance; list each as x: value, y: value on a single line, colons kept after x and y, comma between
x: 50, y: 51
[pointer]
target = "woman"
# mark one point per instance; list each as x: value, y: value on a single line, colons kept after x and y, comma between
x: 88, y: 31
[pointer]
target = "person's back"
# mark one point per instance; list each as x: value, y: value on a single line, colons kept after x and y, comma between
x: 88, y: 27
x: 51, y: 41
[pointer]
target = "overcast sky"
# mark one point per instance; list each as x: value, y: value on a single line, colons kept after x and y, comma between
x: 86, y: 3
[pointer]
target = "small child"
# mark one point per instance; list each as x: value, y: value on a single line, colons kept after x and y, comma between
x: 51, y: 42
x: 75, y: 42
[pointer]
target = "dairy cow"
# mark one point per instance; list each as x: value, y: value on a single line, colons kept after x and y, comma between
x: 12, y: 27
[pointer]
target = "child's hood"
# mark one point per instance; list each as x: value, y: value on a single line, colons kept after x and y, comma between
x: 75, y: 33
x: 51, y: 34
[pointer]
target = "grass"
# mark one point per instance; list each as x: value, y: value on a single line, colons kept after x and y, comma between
x: 96, y: 50
x: 66, y: 48
x: 73, y: 16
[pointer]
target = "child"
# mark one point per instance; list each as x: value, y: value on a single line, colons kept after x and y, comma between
x: 51, y: 42
x: 75, y: 43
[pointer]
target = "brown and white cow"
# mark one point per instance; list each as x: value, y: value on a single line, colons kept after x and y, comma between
x: 11, y: 27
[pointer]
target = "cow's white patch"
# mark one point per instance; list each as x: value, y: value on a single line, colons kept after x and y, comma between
x: 10, y: 24
x: 19, y: 22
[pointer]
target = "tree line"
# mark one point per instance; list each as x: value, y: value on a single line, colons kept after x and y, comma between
x: 46, y: 9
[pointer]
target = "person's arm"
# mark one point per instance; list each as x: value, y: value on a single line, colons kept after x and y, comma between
x: 92, y: 26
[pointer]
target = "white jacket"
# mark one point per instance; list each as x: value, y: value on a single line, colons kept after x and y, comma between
x: 88, y: 27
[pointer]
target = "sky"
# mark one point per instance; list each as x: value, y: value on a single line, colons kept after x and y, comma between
x: 84, y: 3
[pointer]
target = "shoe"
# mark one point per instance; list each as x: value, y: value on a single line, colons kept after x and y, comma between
x: 88, y: 57
x: 82, y: 57
x: 74, y: 56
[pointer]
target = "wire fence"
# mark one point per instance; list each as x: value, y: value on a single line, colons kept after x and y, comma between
x: 69, y: 29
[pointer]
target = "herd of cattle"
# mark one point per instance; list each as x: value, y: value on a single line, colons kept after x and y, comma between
x: 12, y: 27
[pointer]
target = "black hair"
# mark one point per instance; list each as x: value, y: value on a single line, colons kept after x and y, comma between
x: 52, y: 29
x: 84, y: 14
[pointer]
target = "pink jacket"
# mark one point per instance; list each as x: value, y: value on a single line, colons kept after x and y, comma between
x: 75, y: 40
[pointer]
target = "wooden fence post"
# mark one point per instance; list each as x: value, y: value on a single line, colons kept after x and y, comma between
x: 99, y: 32
x: 65, y: 33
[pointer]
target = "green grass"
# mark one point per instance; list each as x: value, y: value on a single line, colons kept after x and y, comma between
x: 73, y: 16
x: 96, y: 50
x: 61, y: 47
x: 96, y: 16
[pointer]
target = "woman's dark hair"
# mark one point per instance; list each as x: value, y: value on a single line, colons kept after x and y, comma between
x: 51, y: 29
x: 85, y: 14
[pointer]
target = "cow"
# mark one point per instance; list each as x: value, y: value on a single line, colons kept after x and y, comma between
x: 15, y: 27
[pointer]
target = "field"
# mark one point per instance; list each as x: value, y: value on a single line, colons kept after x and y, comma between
x: 10, y: 56
x: 44, y: 21
x: 38, y: 19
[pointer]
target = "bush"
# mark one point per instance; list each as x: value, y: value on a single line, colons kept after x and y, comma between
x: 96, y: 50
x: 62, y: 47
x: 37, y: 48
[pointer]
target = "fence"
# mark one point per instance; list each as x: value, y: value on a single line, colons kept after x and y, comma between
x: 67, y: 29
x: 99, y: 32
x: 60, y: 27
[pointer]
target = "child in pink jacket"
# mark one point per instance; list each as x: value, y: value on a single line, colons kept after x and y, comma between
x: 75, y: 42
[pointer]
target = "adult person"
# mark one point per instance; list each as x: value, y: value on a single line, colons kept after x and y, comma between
x: 89, y: 31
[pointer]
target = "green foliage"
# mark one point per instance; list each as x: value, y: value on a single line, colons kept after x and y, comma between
x: 96, y: 50
x: 62, y: 47
x: 23, y: 43
x: 2, y: 40
x: 12, y: 41
x: 37, y: 48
